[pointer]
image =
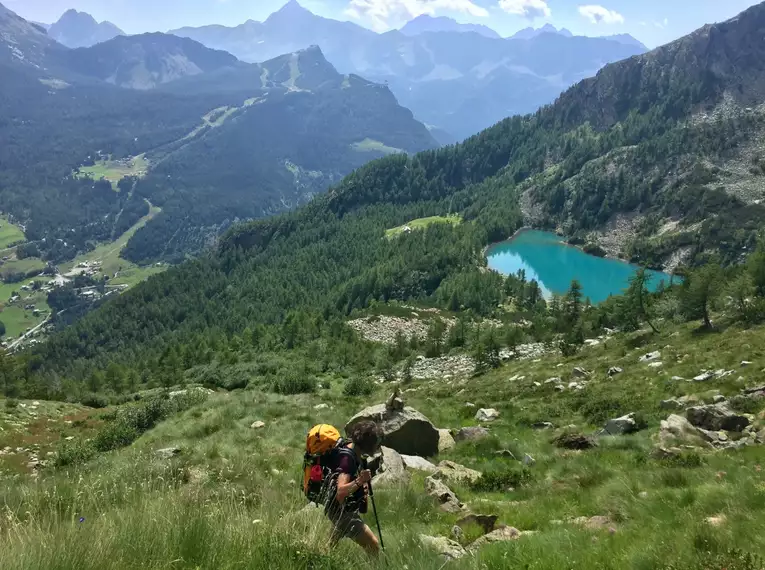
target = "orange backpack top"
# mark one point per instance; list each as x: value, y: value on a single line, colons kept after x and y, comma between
x: 323, y: 447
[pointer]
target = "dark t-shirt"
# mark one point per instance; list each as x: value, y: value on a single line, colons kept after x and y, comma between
x: 350, y: 466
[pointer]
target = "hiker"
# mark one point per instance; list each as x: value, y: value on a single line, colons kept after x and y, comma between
x: 352, y: 489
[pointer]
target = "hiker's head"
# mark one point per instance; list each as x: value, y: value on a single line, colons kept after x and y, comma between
x: 366, y: 437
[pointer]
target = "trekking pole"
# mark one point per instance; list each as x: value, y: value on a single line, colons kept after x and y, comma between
x: 374, y: 510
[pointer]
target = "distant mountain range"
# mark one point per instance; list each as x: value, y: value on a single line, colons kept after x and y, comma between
x: 530, y: 33
x: 223, y: 140
x: 425, y: 23
x: 456, y: 82
x: 78, y: 29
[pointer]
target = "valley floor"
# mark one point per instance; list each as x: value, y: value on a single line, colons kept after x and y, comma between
x: 226, y: 495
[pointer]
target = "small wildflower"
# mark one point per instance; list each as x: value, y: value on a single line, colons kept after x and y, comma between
x: 82, y: 519
x: 758, y: 468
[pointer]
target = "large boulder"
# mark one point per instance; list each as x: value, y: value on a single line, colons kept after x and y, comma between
x: 449, y: 549
x: 406, y: 430
x: 676, y: 431
x: 418, y: 463
x: 446, y: 498
x: 445, y: 440
x: 486, y: 415
x: 456, y: 473
x: 717, y: 417
x: 473, y: 433
x: 621, y: 426
x: 391, y: 470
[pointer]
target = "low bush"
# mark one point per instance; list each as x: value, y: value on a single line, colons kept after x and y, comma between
x: 359, y: 386
x: 502, y: 480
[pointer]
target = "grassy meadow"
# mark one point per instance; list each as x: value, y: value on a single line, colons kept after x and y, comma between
x: 421, y: 223
x: 230, y: 498
x: 114, y: 171
x: 9, y: 233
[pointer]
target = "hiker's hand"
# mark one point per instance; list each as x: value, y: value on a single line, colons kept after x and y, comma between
x: 365, y: 477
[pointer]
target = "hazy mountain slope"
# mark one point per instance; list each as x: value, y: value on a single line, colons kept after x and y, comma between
x: 627, y: 39
x: 59, y: 112
x: 666, y: 161
x: 531, y: 33
x: 148, y: 60
x: 306, y: 128
x: 426, y: 23
x: 440, y: 75
x: 78, y: 29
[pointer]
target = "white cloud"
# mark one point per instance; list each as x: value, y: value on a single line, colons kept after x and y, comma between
x: 386, y: 14
x: 527, y: 8
x: 600, y: 15
x: 663, y: 24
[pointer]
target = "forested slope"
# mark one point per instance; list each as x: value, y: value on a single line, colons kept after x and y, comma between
x: 294, y: 275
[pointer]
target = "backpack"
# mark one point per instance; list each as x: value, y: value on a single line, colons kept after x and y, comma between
x: 323, y: 449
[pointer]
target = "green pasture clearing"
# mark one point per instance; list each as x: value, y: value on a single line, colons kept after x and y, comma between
x: 108, y: 254
x: 9, y: 233
x: 371, y: 145
x: 421, y: 223
x: 22, y: 266
x: 18, y: 320
x: 114, y: 171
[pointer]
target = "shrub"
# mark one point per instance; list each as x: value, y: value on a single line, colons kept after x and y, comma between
x: 11, y: 404
x: 94, y: 401
x: 294, y: 384
x: 74, y: 453
x: 502, y: 480
x: 359, y: 386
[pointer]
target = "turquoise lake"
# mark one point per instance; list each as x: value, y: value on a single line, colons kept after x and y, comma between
x: 553, y: 263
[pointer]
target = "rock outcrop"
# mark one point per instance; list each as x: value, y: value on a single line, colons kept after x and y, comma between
x: 391, y: 469
x: 717, y: 417
x: 446, y: 498
x: 406, y: 430
x: 472, y: 433
x: 445, y: 440
x: 447, y: 548
x: 455, y: 473
x: 621, y: 426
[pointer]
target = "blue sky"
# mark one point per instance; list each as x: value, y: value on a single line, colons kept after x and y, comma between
x: 654, y: 22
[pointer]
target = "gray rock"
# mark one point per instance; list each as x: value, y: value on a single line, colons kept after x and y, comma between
x: 391, y: 470
x: 457, y: 533
x: 554, y: 380
x: 472, y: 433
x: 671, y: 405
x: 579, y: 372
x: 167, y: 452
x: 445, y: 547
x: 542, y: 425
x: 717, y: 417
x: 503, y: 534
x: 651, y: 356
x: 486, y: 522
x: 528, y: 460
x: 406, y: 431
x: 258, y: 424
x: 486, y: 415
x: 598, y: 522
x: 455, y: 473
x: 745, y: 363
x: 677, y: 431
x: 321, y: 407
x: 446, y: 498
x: 418, y: 463
x: 718, y: 399
x: 621, y: 426
x: 657, y: 364
x: 445, y: 440
x: 614, y: 370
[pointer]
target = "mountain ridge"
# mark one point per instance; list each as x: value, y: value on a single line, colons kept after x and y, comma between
x: 79, y: 29
x: 427, y: 23
x: 456, y: 82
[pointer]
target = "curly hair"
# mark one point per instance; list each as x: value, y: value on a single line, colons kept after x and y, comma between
x: 366, y: 436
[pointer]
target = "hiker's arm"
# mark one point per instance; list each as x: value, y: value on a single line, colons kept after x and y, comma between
x: 347, y: 486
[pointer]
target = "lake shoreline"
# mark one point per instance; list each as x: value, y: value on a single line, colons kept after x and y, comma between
x: 552, y: 261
